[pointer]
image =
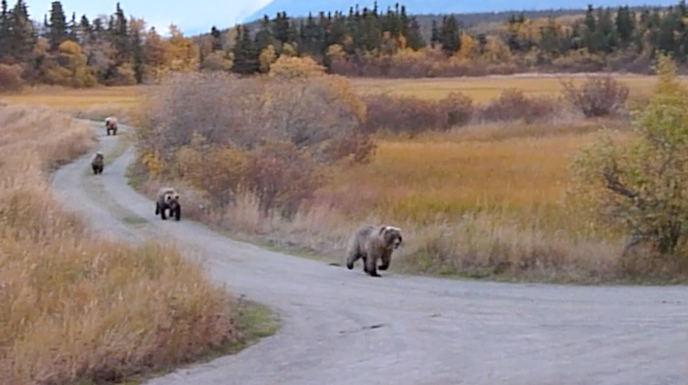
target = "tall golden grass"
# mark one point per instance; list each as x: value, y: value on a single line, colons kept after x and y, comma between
x: 480, y: 89
x: 77, y: 307
x: 482, y: 200
x: 470, y: 204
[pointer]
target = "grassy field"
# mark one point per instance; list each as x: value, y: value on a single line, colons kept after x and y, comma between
x: 480, y: 89
x: 474, y: 196
x: 420, y: 179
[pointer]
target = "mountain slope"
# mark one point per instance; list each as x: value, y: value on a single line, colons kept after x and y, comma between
x: 302, y: 7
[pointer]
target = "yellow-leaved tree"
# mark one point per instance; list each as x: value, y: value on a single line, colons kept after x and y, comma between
x: 68, y: 67
x: 639, y: 184
x: 181, y: 53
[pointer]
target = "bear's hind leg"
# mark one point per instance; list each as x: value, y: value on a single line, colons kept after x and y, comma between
x: 351, y: 259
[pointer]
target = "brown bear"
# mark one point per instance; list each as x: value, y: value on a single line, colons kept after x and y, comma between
x: 97, y: 163
x: 168, y: 199
x: 111, y: 125
x: 372, y: 243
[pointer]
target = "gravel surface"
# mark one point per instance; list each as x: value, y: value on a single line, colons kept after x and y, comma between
x: 343, y: 327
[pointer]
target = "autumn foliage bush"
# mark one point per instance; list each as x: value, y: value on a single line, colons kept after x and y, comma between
x: 75, y: 306
x: 11, y: 78
x: 269, y: 136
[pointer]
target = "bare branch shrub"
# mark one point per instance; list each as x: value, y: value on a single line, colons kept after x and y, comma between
x: 201, y: 125
x: 399, y: 114
x: 598, y: 96
x: 281, y: 175
x: 512, y: 104
x: 411, y: 115
x: 459, y: 109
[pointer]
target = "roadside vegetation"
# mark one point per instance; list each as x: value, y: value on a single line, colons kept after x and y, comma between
x: 75, y: 306
x: 487, y: 189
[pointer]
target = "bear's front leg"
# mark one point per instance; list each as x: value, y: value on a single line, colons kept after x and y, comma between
x: 370, y: 267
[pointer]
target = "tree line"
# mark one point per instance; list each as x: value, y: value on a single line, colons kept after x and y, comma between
x: 82, y: 52
x: 117, y: 50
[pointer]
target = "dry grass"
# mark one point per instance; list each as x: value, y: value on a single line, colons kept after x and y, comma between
x: 74, y: 306
x: 480, y: 89
x: 470, y: 204
x: 77, y: 98
x: 482, y: 200
x: 420, y: 179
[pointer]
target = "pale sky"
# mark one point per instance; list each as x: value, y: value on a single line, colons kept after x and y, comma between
x: 190, y: 16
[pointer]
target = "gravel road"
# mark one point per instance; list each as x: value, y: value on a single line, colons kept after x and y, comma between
x: 343, y: 327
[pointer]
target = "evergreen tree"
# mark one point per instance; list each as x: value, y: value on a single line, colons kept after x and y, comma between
x: 245, y: 54
x: 217, y: 39
x: 414, y: 37
x: 120, y: 35
x: 73, y: 29
x: 625, y: 25
x: 57, y: 26
x: 137, y: 54
x: 450, y: 37
x: 4, y: 29
x: 22, y: 35
x: 85, y: 30
x: 434, y: 34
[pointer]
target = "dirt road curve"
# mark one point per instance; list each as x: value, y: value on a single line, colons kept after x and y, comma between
x: 343, y: 327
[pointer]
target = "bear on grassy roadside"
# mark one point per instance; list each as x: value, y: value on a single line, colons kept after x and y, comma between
x: 97, y: 163
x: 168, y: 199
x: 372, y: 243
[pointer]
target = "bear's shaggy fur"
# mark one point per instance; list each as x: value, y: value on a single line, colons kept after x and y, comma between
x: 111, y: 125
x: 168, y: 199
x: 372, y: 243
x: 97, y: 163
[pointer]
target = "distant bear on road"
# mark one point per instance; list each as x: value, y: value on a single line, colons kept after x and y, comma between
x: 168, y: 199
x: 111, y: 125
x: 372, y: 243
x: 97, y: 163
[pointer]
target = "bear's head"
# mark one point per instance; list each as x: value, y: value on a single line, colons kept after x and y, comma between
x: 172, y: 199
x: 392, y: 236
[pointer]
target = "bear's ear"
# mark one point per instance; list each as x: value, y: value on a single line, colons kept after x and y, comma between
x: 383, y: 229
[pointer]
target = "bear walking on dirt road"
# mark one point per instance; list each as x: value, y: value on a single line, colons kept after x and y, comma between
x: 372, y: 243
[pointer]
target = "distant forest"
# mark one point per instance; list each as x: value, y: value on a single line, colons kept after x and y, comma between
x: 65, y: 49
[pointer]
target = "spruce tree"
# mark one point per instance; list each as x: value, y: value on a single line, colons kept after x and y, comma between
x: 22, y: 35
x: 245, y: 54
x: 4, y: 29
x: 57, y: 25
x: 450, y: 37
